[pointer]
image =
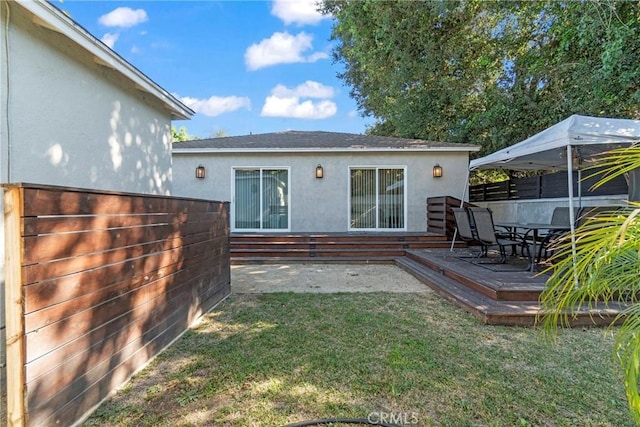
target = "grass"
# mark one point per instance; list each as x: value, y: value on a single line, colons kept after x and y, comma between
x: 274, y: 359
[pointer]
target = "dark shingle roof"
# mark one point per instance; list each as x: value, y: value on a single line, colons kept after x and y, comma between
x: 299, y: 140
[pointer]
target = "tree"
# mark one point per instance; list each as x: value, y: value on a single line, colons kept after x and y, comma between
x: 180, y: 135
x: 491, y: 73
x: 602, y: 264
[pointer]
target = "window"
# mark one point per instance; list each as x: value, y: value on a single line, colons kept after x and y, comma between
x: 261, y: 199
x: 377, y: 198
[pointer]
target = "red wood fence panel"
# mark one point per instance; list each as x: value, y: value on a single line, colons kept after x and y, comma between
x: 551, y: 185
x: 97, y: 284
x: 439, y: 215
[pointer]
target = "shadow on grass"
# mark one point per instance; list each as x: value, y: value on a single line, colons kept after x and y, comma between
x: 270, y: 360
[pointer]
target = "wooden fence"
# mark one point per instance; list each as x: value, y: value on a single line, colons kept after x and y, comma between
x: 98, y: 283
x: 439, y: 215
x: 551, y: 185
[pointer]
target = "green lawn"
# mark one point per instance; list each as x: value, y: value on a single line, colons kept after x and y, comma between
x: 273, y: 359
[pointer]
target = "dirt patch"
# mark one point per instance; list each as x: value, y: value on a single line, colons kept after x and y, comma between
x: 322, y: 278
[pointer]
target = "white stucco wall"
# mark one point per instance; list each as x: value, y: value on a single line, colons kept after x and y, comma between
x: 73, y: 122
x: 540, y: 210
x: 320, y: 205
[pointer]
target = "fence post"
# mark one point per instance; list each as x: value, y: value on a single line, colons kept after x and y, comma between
x: 539, y: 187
x: 14, y: 306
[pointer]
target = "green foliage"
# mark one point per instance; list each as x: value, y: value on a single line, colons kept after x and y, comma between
x: 601, y: 264
x: 491, y: 73
x: 180, y: 135
x: 481, y: 176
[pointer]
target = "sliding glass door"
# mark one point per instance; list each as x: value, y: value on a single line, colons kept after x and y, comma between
x: 261, y: 199
x: 377, y: 198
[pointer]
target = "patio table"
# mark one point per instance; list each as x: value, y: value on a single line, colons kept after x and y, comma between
x: 534, y: 228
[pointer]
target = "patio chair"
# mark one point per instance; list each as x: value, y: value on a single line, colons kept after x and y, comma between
x: 487, y: 235
x: 560, y: 217
x: 466, y: 230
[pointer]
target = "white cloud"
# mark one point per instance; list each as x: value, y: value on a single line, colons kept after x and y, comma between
x: 316, y: 56
x: 308, y: 89
x: 293, y: 108
x: 123, y: 17
x: 286, y: 102
x: 110, y: 39
x: 301, y: 12
x: 217, y: 105
x: 281, y: 48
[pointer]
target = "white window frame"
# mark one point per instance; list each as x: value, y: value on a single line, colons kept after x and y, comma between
x: 377, y: 168
x: 232, y: 207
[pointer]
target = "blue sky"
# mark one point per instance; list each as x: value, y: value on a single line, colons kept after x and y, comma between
x: 243, y: 66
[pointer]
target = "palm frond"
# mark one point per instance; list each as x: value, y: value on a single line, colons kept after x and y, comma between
x: 598, y: 264
x: 627, y: 348
x: 583, y: 273
x: 614, y: 163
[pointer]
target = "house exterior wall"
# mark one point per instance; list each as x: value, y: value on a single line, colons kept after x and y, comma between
x: 73, y: 122
x: 321, y: 205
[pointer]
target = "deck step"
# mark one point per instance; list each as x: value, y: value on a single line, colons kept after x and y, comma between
x: 339, y: 237
x: 488, y: 310
x: 342, y: 245
x: 497, y: 312
x: 503, y: 286
x: 330, y: 246
x: 316, y: 260
x: 316, y: 253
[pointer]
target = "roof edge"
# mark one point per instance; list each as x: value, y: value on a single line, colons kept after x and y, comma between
x: 320, y: 150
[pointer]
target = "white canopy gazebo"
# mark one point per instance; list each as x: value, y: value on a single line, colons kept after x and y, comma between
x: 564, y: 146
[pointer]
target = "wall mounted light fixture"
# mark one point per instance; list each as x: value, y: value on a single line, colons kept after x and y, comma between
x: 437, y: 171
x: 319, y: 172
x: 200, y: 172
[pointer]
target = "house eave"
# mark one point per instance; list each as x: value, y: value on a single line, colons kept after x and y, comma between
x: 51, y: 18
x: 322, y: 150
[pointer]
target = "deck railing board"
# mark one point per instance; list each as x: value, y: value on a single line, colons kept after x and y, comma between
x: 97, y: 284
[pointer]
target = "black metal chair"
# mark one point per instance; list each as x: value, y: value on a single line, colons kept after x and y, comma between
x: 561, y: 217
x: 466, y: 230
x: 486, y: 233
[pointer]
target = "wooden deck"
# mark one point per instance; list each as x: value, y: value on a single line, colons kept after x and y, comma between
x: 330, y: 247
x: 503, y: 294
x: 496, y: 294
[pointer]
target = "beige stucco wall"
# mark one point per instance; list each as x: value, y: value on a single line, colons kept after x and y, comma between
x: 320, y: 205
